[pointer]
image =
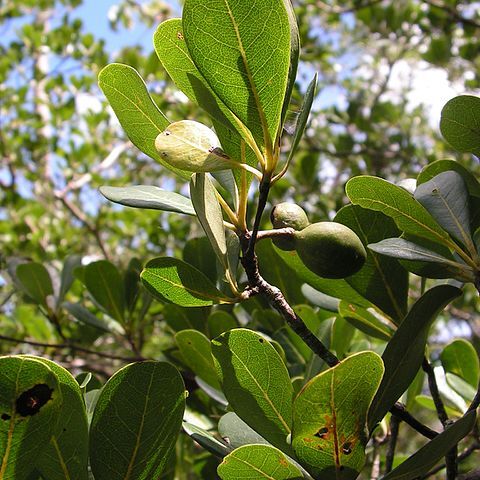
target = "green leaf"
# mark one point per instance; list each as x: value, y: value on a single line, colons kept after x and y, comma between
x: 88, y: 318
x: 460, y: 386
x: 35, y: 281
x: 406, y: 250
x: 334, y: 288
x: 220, y: 322
x: 433, y: 169
x: 405, y: 351
x: 172, y: 51
x: 136, y: 422
x: 169, y: 279
x: 330, y: 417
x: 302, y: 117
x: 209, y: 214
x: 460, y: 123
x: 365, y: 321
x: 446, y: 198
x: 105, y: 285
x: 277, y: 273
x: 66, y: 456
x: 382, y: 281
x: 67, y: 278
x: 197, y: 353
x: 169, y: 43
x: 409, y: 215
x: 199, y: 253
x: 148, y: 196
x: 137, y: 113
x: 250, y: 76
x: 256, y: 383
x: 427, y: 402
x: 258, y: 462
x: 460, y: 357
x: 236, y: 432
x: 30, y: 402
x: 206, y: 440
x: 427, y: 457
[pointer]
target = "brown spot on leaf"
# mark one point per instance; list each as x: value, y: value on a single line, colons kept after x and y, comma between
x: 180, y: 35
x: 31, y: 401
x: 283, y: 462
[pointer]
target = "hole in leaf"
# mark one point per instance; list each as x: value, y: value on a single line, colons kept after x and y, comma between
x: 347, y: 448
x: 322, y: 433
x: 6, y: 416
x: 31, y: 401
x: 261, y: 340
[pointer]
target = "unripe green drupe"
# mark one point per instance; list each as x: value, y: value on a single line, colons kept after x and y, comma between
x: 288, y: 215
x: 330, y: 249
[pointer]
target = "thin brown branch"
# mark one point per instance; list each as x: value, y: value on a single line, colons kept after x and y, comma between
x: 401, y: 412
x: 73, y: 347
x: 390, y: 454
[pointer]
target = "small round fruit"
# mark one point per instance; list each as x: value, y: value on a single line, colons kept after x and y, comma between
x: 288, y: 215
x: 330, y: 249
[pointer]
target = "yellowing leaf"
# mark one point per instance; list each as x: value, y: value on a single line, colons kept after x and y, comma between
x: 192, y: 146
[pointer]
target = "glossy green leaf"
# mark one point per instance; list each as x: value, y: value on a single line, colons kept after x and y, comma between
x: 67, y: 277
x: 382, y: 281
x: 236, y: 432
x: 409, y: 215
x: 406, y: 250
x: 256, y: 383
x: 258, y: 462
x: 460, y: 357
x: 150, y: 197
x: 220, y: 322
x: 329, y: 433
x: 171, y: 48
x: 365, y: 321
x: 250, y: 76
x: 206, y: 440
x: 30, y: 402
x: 433, y: 169
x: 209, y: 214
x: 460, y: 386
x: 446, y: 198
x: 35, y: 281
x: 427, y: 457
x: 88, y: 318
x: 427, y: 402
x: 460, y: 123
x: 334, y: 288
x: 405, y: 352
x: 197, y: 353
x: 199, y: 253
x: 105, y: 285
x: 137, y: 113
x: 172, y: 280
x: 136, y: 422
x: 66, y: 456
x: 302, y: 117
x: 294, y: 56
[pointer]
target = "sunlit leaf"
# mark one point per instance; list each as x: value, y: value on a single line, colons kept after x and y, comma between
x: 172, y: 280
x: 258, y: 462
x: 142, y: 405
x: 329, y: 433
x: 256, y: 383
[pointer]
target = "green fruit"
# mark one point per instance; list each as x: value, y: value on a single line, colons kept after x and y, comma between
x: 330, y: 249
x: 288, y: 215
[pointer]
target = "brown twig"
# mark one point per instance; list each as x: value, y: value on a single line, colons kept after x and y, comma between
x: 73, y: 347
x: 390, y: 454
x: 401, y: 412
